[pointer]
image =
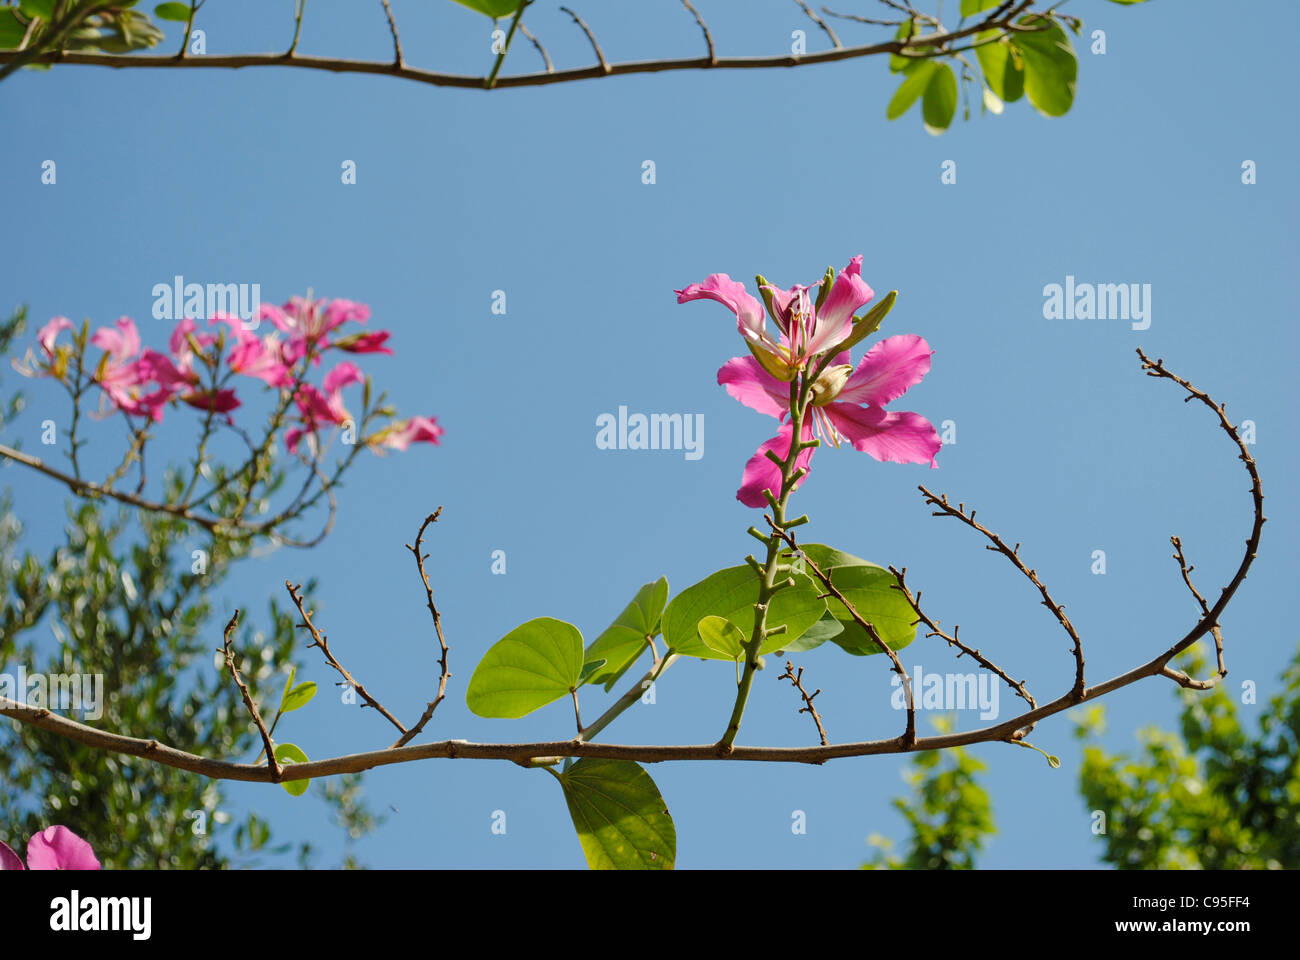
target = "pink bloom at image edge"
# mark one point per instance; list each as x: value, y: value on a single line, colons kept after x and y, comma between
x: 852, y: 405
x: 54, y: 848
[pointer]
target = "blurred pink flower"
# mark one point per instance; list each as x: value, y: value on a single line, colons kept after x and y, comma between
x: 54, y: 848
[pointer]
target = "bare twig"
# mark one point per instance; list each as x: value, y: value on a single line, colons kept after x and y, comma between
x: 546, y: 58
x: 796, y: 679
x: 1013, y: 554
x: 321, y: 641
x: 604, y: 65
x: 820, y: 22
x: 1178, y: 675
x: 397, y: 40
x: 415, y: 731
x: 708, y: 37
x: 909, y: 733
x: 271, y: 762
x: 953, y: 640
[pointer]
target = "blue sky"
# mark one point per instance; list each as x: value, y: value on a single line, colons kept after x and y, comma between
x: 1062, y: 444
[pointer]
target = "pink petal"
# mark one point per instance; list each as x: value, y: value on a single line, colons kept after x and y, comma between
x: 58, y: 848
x: 47, y: 334
x: 9, y: 860
x: 342, y: 375
x: 222, y: 401
x: 888, y: 369
x: 345, y: 311
x: 121, y: 343
x: 762, y: 474
x: 731, y: 294
x: 415, y: 430
x: 848, y: 293
x: 896, y: 436
x: 747, y: 381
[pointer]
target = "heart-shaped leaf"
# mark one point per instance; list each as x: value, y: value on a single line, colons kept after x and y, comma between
x: 534, y: 664
x: 620, y: 816
x: 731, y: 594
x: 625, y: 639
x: 288, y: 754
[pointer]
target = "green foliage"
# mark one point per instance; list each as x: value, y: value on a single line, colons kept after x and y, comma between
x: 1216, y: 798
x: 496, y: 9
x: 731, y: 594
x: 623, y: 642
x: 1050, y: 66
x: 288, y: 754
x: 533, y: 665
x: 948, y: 813
x: 620, y: 816
x: 178, y: 12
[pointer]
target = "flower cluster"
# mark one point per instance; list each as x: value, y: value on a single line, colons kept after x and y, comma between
x: 54, y: 848
x: 198, y: 367
x: 815, y: 329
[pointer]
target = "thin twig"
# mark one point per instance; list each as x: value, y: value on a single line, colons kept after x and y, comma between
x: 272, y: 763
x: 797, y: 681
x: 546, y: 58
x: 604, y: 65
x: 437, y: 626
x: 1013, y: 554
x: 708, y: 37
x: 397, y: 40
x: 909, y: 733
x: 321, y: 641
x: 1178, y: 675
x: 821, y: 23
x: 953, y: 640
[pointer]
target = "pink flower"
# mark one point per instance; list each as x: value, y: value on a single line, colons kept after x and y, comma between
x: 846, y: 405
x: 805, y: 330
x: 55, y: 363
x: 254, y: 356
x: 121, y: 375
x: 325, y: 406
x: 372, y: 341
x: 176, y: 375
x: 400, y: 434
x: 307, y: 321
x: 54, y: 848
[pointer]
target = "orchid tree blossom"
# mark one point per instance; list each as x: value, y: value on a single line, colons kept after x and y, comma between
x: 808, y: 365
x: 323, y: 407
x: 308, y: 322
x: 123, y: 371
x: 55, y: 360
x: 846, y: 406
x: 807, y: 325
x: 54, y: 848
x: 400, y: 434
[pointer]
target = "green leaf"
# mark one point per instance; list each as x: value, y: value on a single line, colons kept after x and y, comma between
x: 871, y: 591
x: 827, y: 558
x: 623, y: 642
x: 906, y: 29
x: 731, y: 594
x: 298, y: 697
x: 1050, y: 67
x: 940, y: 101
x: 534, y: 664
x: 286, y: 754
x: 180, y: 12
x: 11, y: 31
x: 1004, y: 75
x: 620, y: 816
x: 971, y: 7
x: 915, y: 80
x: 492, y: 8
x: 992, y: 103
x: 588, y: 668
x: 38, y: 8
x: 827, y: 628
x: 723, y: 636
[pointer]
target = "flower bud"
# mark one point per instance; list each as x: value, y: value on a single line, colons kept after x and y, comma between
x: 828, y: 386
